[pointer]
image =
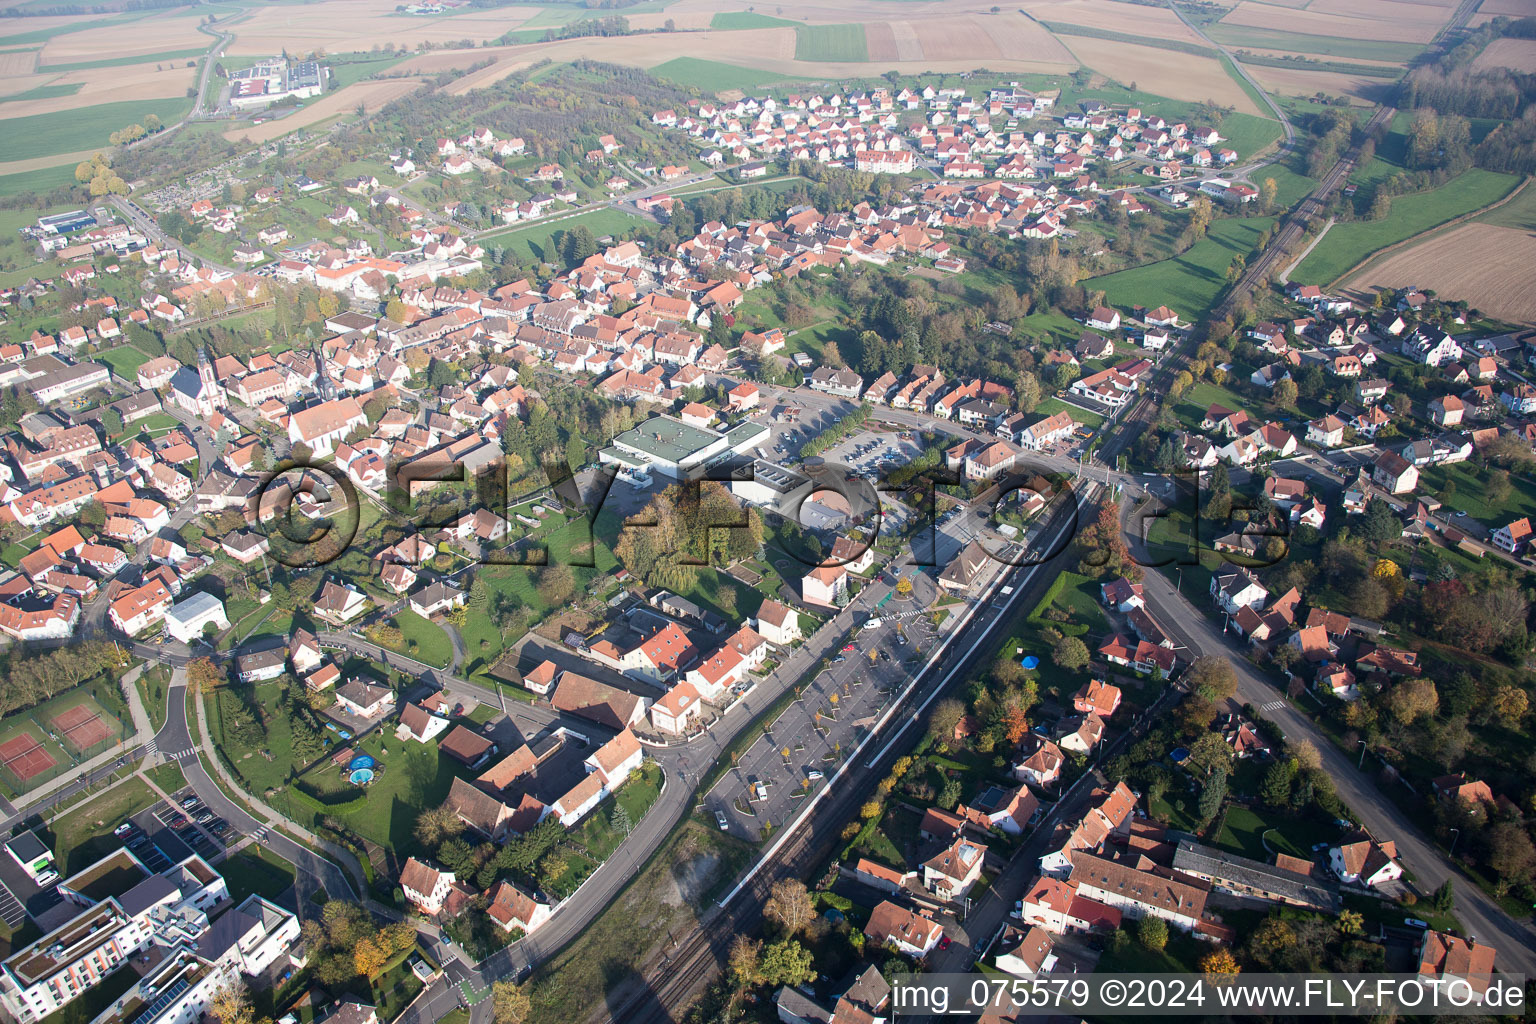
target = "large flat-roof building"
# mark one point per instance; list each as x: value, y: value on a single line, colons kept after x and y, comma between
x: 677, y: 450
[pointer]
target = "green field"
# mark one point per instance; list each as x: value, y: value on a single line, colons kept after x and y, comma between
x: 1301, y: 42
x: 43, y: 92
x: 125, y: 361
x: 1191, y: 281
x: 49, y: 134
x: 118, y: 62
x: 1345, y: 245
x: 715, y: 76
x: 1519, y: 212
x: 748, y: 19
x: 345, y: 73
x: 425, y: 640
x: 79, y: 840
x: 831, y: 43
x: 1247, y: 135
x: 536, y: 241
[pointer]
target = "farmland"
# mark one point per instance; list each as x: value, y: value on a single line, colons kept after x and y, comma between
x: 1191, y: 281
x: 830, y: 43
x: 1347, y: 244
x: 713, y: 76
x: 42, y: 135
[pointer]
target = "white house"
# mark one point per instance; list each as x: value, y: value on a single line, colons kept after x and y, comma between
x: 425, y: 886
x: 1365, y: 862
x: 777, y: 623
x: 186, y: 621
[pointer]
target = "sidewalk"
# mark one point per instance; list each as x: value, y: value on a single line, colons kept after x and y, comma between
x: 142, y: 734
x: 276, y: 821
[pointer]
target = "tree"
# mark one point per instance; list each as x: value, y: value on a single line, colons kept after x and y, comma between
x: 945, y: 716
x: 1285, y: 393
x: 1411, y: 700
x: 745, y: 961
x: 1269, y: 193
x: 1027, y: 391
x: 789, y: 906
x: 369, y: 957
x: 1510, y: 851
x: 1210, y: 754
x: 232, y: 1004
x: 1445, y: 898
x: 1213, y: 678
x: 1379, y: 524
x: 1153, y: 932
x: 1510, y: 704
x: 787, y: 963
x: 1219, y: 961
x: 1070, y: 653
x: 1275, y: 788
x: 509, y: 1003
x: 436, y: 824
x: 203, y: 675
x: 1351, y: 922
x: 1212, y: 795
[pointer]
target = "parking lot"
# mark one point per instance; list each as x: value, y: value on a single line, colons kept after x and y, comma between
x: 824, y: 726
x: 871, y: 454
x: 169, y: 832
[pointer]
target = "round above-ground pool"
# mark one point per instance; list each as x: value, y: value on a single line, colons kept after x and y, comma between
x: 361, y: 761
x: 361, y: 776
x: 1030, y: 661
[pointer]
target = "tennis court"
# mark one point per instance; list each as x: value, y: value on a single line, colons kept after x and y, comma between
x: 25, y: 754
x: 83, y: 726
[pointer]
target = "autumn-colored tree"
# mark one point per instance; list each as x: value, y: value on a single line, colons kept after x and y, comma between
x: 369, y: 957
x: 510, y: 1003
x: 1510, y: 704
x: 1212, y: 677
x: 1219, y: 961
x: 1350, y: 922
x: 203, y: 675
x: 745, y: 961
x: 789, y: 905
x: 1411, y: 700
x: 232, y: 1005
x: 1015, y: 724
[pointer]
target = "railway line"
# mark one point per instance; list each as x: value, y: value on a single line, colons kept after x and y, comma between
x: 677, y: 976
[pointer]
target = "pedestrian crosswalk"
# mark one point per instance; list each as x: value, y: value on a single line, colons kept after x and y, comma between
x: 1272, y: 705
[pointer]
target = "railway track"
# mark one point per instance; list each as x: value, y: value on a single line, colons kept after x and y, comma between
x: 684, y: 969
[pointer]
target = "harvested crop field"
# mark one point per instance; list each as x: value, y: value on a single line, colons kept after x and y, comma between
x: 1412, y: 24
x: 375, y: 94
x: 157, y: 34
x: 763, y: 51
x: 1515, y: 54
x: 1512, y: 8
x: 1187, y: 78
x: 979, y: 38
x: 1305, y: 82
x: 19, y: 63
x: 1155, y: 22
x: 1457, y: 265
x: 349, y: 25
x: 102, y: 85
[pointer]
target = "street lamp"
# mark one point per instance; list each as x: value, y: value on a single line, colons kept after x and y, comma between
x: 1454, y: 839
x: 1361, y: 765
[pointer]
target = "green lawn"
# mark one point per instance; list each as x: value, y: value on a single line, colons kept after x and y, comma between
x: 831, y: 43
x: 257, y: 871
x: 1051, y: 406
x: 536, y: 241
x: 84, y: 835
x: 1302, y: 42
x: 748, y: 19
x: 1245, y: 830
x: 714, y: 75
x: 1346, y: 245
x: 1190, y: 282
x: 1471, y: 494
x: 125, y: 361
x: 1248, y: 135
x: 48, y: 134
x: 167, y: 776
x: 424, y: 639
x: 414, y: 777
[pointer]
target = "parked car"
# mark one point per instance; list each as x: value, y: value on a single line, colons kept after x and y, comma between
x: 813, y: 774
x: 125, y: 828
x: 1413, y: 922
x: 722, y: 822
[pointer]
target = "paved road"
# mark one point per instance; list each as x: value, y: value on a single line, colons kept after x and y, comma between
x: 1515, y: 940
x: 175, y: 737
